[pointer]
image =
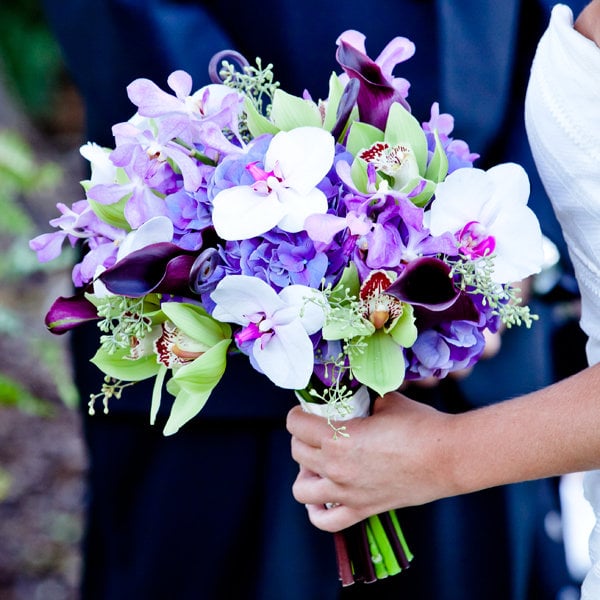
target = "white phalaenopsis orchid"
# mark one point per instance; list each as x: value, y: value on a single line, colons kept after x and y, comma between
x: 284, y: 192
x: 275, y: 327
x: 487, y: 212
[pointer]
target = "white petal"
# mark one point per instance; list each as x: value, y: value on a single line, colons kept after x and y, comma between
x: 240, y: 213
x: 153, y: 231
x: 239, y: 297
x: 288, y: 358
x: 519, y: 249
x: 298, y: 207
x: 458, y: 200
x: 309, y: 303
x: 510, y: 182
x: 102, y: 169
x: 304, y: 154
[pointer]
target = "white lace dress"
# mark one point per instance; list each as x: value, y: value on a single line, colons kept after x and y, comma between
x: 562, y: 113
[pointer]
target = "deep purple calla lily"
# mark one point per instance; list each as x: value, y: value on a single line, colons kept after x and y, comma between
x: 426, y: 284
x: 66, y: 313
x: 376, y: 93
x: 162, y: 268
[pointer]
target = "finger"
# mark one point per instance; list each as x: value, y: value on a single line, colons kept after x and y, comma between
x: 306, y: 456
x: 332, y: 519
x: 310, y: 488
x: 306, y: 427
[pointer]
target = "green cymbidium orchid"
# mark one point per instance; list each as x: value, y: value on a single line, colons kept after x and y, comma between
x: 396, y: 158
x: 182, y: 338
x: 375, y: 327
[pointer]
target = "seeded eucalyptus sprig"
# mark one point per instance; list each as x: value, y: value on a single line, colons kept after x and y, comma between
x: 122, y: 318
x: 475, y: 277
x: 257, y: 83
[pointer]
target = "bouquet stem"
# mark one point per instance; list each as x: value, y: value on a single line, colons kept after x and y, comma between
x: 371, y: 550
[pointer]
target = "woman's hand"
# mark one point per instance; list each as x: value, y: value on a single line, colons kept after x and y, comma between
x: 392, y: 458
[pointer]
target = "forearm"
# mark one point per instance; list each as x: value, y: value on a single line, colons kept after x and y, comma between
x: 549, y: 432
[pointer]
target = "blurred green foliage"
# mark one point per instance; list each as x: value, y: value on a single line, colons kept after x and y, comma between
x: 30, y: 56
x: 21, y: 174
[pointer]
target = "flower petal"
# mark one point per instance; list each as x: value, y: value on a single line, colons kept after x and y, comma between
x: 239, y: 297
x: 153, y: 231
x: 160, y: 267
x: 309, y: 303
x: 240, y: 213
x: 288, y: 358
x: 298, y: 207
x: 67, y: 313
x: 304, y: 154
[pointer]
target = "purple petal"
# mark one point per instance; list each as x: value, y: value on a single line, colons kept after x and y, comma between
x: 48, y: 246
x: 151, y: 100
x: 376, y: 93
x: 397, y: 50
x: 162, y: 267
x: 67, y: 313
x: 425, y: 282
x: 181, y: 83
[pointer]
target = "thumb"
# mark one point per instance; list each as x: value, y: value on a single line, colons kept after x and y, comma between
x: 391, y: 402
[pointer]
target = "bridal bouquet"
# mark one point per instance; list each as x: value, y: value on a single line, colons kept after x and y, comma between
x: 341, y: 245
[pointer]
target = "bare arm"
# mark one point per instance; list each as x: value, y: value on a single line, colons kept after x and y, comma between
x: 408, y: 454
x: 588, y: 21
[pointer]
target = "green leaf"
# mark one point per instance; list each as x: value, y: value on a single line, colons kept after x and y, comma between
x: 358, y: 172
x: 362, y: 136
x: 118, y: 366
x: 196, y: 323
x: 289, y: 112
x: 157, y: 392
x: 257, y: 123
x: 438, y: 165
x: 422, y: 198
x: 113, y: 214
x: 403, y: 129
x: 348, y: 285
x: 403, y: 330
x: 194, y: 383
x: 380, y: 364
x: 333, y: 100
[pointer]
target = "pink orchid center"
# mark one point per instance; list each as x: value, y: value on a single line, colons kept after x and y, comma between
x: 474, y: 240
x: 265, y: 181
x: 262, y: 330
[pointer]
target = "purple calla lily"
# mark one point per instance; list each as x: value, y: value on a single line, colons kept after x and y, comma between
x: 378, y: 88
x: 66, y: 313
x: 426, y: 284
x: 162, y: 267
